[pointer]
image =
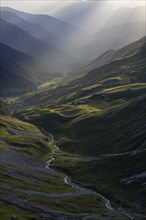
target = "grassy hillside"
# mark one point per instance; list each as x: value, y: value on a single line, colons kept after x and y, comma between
x: 112, y: 55
x: 98, y: 122
x: 4, y: 108
x: 111, y: 37
x: 127, y: 69
x: 30, y: 190
x: 108, y: 144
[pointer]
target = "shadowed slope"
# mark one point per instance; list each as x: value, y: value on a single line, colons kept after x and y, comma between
x: 20, y: 72
x: 21, y: 40
x: 33, y: 29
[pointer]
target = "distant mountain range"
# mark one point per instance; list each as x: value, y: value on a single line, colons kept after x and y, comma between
x: 79, y: 47
x: 55, y: 59
x: 58, y: 47
x: 35, y: 30
x: 63, y: 31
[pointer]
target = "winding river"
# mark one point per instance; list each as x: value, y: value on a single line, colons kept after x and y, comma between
x: 83, y: 190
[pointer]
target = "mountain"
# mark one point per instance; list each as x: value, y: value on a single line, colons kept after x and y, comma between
x: 100, y: 61
x: 35, y: 30
x: 112, y: 37
x: 112, y: 55
x: 75, y: 147
x: 86, y: 47
x: 98, y: 123
x: 19, y: 72
x: 124, y: 66
x: 70, y: 34
x: 55, y: 59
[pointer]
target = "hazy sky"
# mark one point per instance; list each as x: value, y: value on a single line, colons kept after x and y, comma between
x: 52, y: 7
x: 82, y: 13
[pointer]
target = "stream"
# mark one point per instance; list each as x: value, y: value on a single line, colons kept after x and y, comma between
x: 83, y: 190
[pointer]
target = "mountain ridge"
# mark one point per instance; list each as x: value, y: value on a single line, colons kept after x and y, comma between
x: 113, y: 37
x: 111, y: 55
x: 79, y: 84
x: 32, y: 28
x: 60, y: 28
x: 21, y: 40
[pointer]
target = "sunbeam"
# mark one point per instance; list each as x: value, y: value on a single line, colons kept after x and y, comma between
x: 86, y: 23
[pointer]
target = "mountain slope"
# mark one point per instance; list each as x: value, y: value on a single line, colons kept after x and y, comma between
x: 113, y: 37
x: 69, y: 33
x: 56, y: 59
x: 127, y: 67
x: 33, y: 29
x: 112, y: 55
x: 100, y: 120
x: 19, y: 72
x: 29, y: 188
x: 24, y: 149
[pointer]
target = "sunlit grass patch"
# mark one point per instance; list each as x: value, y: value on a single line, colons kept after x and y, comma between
x: 125, y: 87
x: 92, y: 86
x: 9, y: 122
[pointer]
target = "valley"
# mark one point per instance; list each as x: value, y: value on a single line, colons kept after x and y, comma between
x: 72, y: 118
x: 96, y: 159
x: 27, y: 186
